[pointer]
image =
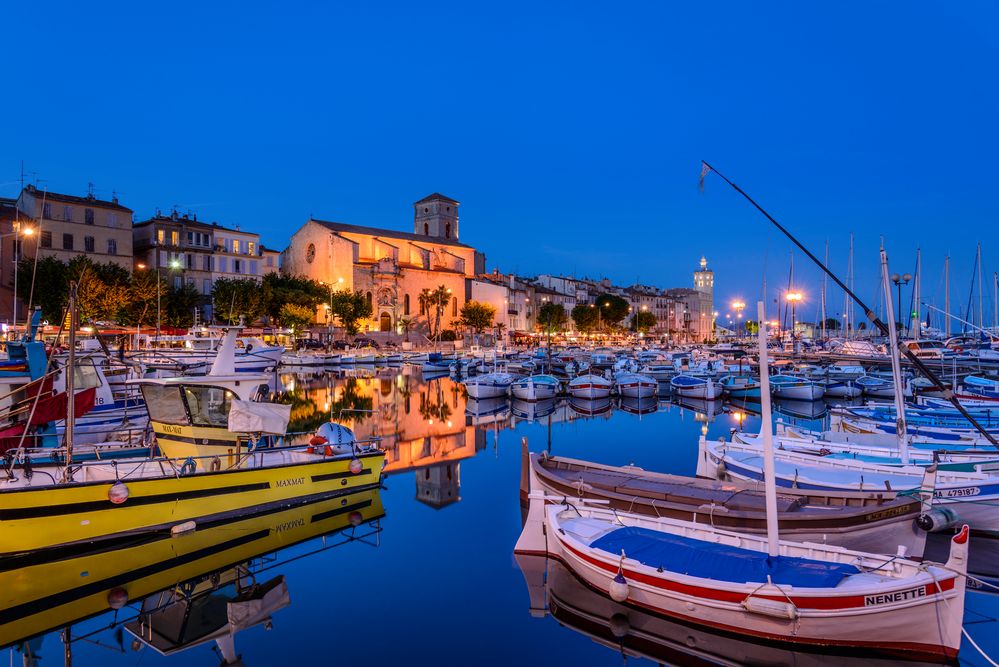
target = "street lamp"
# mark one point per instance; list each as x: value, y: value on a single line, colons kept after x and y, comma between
x: 737, y: 306
x: 27, y: 231
x: 793, y: 298
x: 899, y: 281
x: 173, y: 264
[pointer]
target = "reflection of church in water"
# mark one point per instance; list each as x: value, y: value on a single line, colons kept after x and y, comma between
x: 422, y: 426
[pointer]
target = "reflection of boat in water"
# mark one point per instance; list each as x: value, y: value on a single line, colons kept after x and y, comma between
x: 590, y: 408
x: 533, y: 410
x: 800, y: 408
x: 983, y: 559
x: 635, y: 633
x: 702, y: 407
x: 487, y: 410
x: 40, y: 596
x: 638, y: 406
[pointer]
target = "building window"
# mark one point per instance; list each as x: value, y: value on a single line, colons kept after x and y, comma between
x: 222, y: 264
x: 178, y: 282
x: 447, y: 230
x: 112, y: 220
x: 206, y: 286
x: 174, y: 238
x: 250, y: 247
x: 235, y: 246
x: 190, y: 261
x: 207, y: 263
x: 67, y: 241
x: 368, y: 297
x: 454, y: 306
x: 46, y: 240
x: 159, y: 236
x: 112, y: 247
x: 405, y: 305
x: 270, y: 260
x: 88, y: 243
x: 47, y: 211
x: 253, y: 267
x: 88, y: 216
x: 237, y: 266
x: 67, y: 214
x: 426, y: 229
x: 190, y: 238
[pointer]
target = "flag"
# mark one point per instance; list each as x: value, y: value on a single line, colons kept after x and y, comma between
x: 705, y: 170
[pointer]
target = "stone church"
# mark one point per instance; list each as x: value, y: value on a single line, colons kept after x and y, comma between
x: 389, y: 267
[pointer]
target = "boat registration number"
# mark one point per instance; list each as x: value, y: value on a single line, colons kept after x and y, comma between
x: 958, y: 493
x: 898, y: 596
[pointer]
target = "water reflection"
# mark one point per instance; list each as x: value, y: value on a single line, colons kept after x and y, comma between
x: 204, y: 586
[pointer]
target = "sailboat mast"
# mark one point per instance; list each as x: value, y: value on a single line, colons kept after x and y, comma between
x: 914, y: 328
x: 766, y: 432
x: 896, y: 365
x: 71, y: 383
x: 981, y: 311
x: 824, y: 293
x: 947, y: 296
x: 847, y: 301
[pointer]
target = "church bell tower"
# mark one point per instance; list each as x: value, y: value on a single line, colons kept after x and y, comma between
x: 436, y: 216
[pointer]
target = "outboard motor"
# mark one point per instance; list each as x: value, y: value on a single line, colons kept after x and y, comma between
x: 335, y: 439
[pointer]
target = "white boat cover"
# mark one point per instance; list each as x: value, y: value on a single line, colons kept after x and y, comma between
x: 251, y: 417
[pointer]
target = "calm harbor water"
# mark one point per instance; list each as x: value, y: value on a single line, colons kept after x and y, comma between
x: 421, y: 572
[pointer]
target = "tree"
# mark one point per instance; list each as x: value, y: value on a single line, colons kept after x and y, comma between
x: 432, y: 304
x: 102, y: 289
x: 477, y: 316
x: 551, y: 317
x: 832, y: 324
x: 612, y: 308
x: 643, y: 321
x: 142, y: 293
x: 233, y: 298
x: 179, y: 305
x: 279, y: 289
x: 406, y: 323
x: 586, y: 317
x: 752, y: 327
x: 48, y: 289
x: 295, y: 317
x: 350, y: 307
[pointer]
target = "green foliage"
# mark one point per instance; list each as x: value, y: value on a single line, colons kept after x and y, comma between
x: 752, y: 326
x: 586, y: 317
x: 832, y: 324
x: 612, y: 308
x: 179, y: 304
x: 235, y: 297
x: 432, y: 303
x: 643, y: 321
x: 552, y: 317
x: 294, y: 316
x: 350, y: 308
x: 141, y: 307
x: 406, y: 323
x: 51, y: 286
x: 279, y: 290
x: 448, y: 335
x: 477, y: 316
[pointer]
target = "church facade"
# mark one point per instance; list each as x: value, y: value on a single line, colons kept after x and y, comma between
x: 391, y: 268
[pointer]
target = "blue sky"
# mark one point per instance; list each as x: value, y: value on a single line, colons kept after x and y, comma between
x: 571, y: 132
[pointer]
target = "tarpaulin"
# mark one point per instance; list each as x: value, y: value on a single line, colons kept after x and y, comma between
x: 53, y: 408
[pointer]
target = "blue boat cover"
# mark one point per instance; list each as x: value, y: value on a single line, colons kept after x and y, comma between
x: 696, y: 558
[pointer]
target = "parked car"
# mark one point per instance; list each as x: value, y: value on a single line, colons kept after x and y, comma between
x: 366, y: 342
x: 308, y: 344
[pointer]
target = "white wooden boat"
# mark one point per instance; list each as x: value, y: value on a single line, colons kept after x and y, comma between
x: 796, y: 388
x: 635, y: 385
x: 489, y: 385
x: 590, y: 386
x: 536, y: 388
x: 693, y: 386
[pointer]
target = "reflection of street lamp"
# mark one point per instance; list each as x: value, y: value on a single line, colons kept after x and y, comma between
x: 27, y: 231
x: 793, y: 298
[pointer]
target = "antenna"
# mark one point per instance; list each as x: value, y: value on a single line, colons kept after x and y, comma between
x: 90, y: 189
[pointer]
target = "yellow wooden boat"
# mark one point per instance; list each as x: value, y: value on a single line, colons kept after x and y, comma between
x: 38, y: 596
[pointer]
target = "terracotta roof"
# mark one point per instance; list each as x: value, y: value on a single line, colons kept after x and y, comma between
x: 189, y: 222
x: 387, y: 233
x: 73, y: 199
x: 436, y: 197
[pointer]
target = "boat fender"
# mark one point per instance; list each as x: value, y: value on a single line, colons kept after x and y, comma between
x: 182, y: 528
x: 117, y: 598
x: 118, y: 493
x: 356, y: 466
x: 775, y: 608
x: 938, y: 519
x: 619, y: 585
x: 355, y: 518
x: 619, y: 625
x: 216, y: 464
x: 189, y: 468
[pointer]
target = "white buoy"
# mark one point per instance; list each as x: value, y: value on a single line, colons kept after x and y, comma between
x: 619, y: 588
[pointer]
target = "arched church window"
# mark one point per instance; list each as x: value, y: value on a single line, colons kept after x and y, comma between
x: 426, y: 229
x: 447, y: 230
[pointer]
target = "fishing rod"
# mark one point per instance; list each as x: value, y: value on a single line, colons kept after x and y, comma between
x: 874, y: 319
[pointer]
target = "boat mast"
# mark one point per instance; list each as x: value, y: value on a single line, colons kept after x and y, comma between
x: 824, y: 293
x: 981, y: 312
x: 847, y: 303
x: 71, y: 383
x: 896, y: 366
x: 914, y: 328
x: 947, y: 296
x: 995, y: 302
x: 766, y: 432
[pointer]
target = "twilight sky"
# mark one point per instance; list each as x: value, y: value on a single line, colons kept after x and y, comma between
x: 570, y: 132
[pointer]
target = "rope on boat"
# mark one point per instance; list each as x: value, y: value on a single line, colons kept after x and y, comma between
x: 964, y: 632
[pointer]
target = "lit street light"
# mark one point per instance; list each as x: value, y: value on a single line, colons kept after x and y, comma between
x: 793, y: 298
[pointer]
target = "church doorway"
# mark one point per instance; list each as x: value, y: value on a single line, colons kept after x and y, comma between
x: 385, y: 322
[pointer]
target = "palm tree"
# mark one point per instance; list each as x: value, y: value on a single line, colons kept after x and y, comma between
x: 439, y: 299
x: 405, y: 323
x: 426, y: 299
x: 499, y: 326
